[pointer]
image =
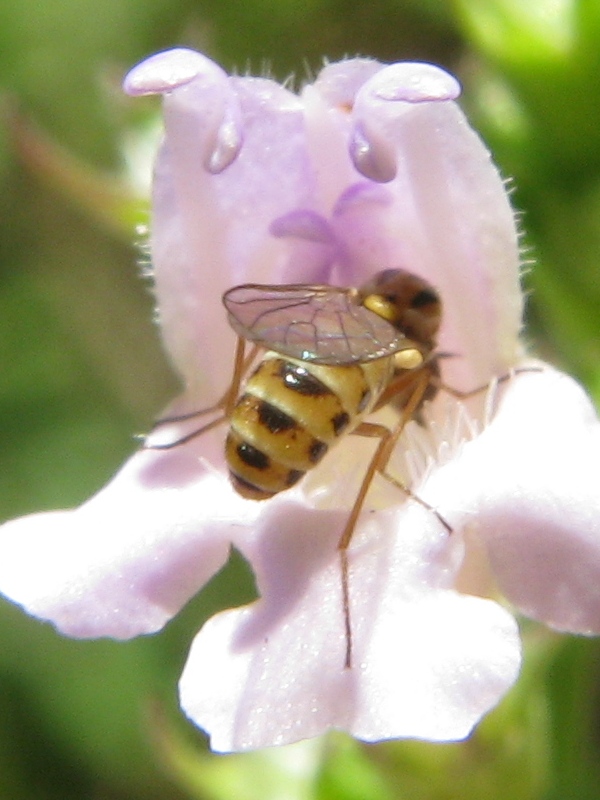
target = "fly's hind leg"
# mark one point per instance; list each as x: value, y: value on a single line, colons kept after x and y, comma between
x: 388, y: 439
x: 225, y: 404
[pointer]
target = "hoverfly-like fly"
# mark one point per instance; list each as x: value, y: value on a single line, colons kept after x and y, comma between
x: 332, y: 356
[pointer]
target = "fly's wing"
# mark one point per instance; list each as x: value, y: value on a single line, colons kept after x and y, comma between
x: 320, y: 324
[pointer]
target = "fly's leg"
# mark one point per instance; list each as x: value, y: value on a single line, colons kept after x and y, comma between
x: 465, y: 395
x: 225, y: 404
x: 490, y: 405
x: 396, y: 433
x: 188, y: 436
x: 388, y: 439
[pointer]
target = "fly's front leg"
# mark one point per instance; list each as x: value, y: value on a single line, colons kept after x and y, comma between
x: 225, y: 404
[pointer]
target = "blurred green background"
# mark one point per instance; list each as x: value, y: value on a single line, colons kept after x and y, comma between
x: 83, y: 369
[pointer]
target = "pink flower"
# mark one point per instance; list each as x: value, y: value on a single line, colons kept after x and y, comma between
x: 370, y: 167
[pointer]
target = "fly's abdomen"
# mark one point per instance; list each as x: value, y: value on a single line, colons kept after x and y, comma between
x: 290, y: 414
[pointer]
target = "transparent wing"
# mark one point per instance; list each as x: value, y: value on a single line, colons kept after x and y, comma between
x: 321, y: 324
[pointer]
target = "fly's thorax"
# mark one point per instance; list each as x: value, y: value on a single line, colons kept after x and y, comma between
x: 290, y: 413
x: 408, y: 302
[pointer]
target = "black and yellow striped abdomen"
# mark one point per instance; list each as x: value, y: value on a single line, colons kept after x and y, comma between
x: 291, y: 413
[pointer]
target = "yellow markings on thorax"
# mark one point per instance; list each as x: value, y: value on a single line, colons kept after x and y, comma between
x: 380, y: 306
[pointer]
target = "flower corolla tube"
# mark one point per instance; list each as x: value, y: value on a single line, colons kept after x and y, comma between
x: 370, y: 167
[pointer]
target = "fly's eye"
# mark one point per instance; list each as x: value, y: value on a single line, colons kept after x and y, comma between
x: 424, y: 298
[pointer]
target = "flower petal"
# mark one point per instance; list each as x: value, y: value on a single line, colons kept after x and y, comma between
x: 163, y: 72
x: 127, y: 560
x: 427, y: 662
x: 445, y: 216
x: 218, y: 186
x: 535, y: 470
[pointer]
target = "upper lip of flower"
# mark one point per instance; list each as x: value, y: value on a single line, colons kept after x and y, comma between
x: 448, y: 220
